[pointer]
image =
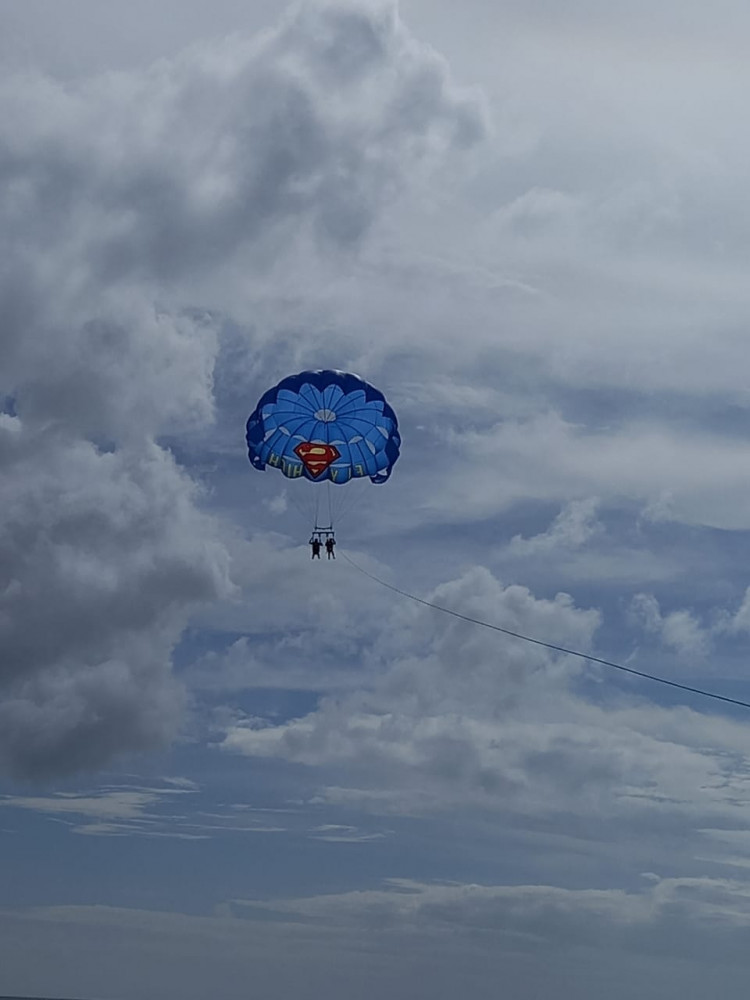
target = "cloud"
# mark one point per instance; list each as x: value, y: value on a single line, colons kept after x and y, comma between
x: 292, y: 626
x: 335, y: 833
x: 693, y: 637
x: 575, y: 525
x: 739, y: 622
x: 549, y: 458
x: 459, y: 720
x: 136, y: 205
x: 104, y: 554
x: 562, y: 917
x: 438, y: 719
x: 539, y: 313
x: 349, y: 100
x: 132, y: 810
x: 120, y: 805
x: 678, y: 630
x: 669, y: 937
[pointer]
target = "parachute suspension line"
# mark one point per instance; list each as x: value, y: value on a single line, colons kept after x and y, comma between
x: 330, y: 511
x: 351, y: 498
x: 547, y: 645
x: 300, y: 508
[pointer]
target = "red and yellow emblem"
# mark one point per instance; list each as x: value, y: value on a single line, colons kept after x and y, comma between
x: 316, y: 457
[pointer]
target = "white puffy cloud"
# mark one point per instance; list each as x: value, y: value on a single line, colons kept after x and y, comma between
x: 575, y: 525
x: 691, y: 636
x: 439, y: 715
x: 678, y: 630
x: 457, y: 717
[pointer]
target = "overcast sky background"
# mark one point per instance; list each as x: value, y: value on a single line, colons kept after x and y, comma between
x: 226, y: 770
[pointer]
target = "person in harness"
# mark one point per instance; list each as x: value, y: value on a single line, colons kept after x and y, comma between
x: 330, y: 544
x: 315, y: 546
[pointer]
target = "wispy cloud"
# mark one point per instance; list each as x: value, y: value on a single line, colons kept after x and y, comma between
x: 336, y: 834
x: 145, y: 811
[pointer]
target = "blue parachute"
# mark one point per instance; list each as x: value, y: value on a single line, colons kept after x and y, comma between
x: 324, y: 426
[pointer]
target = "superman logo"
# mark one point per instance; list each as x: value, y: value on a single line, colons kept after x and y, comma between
x: 316, y: 457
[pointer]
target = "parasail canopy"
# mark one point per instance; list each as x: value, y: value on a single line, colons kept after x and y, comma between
x: 324, y: 426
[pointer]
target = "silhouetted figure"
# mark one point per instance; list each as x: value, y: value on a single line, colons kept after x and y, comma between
x: 315, y: 546
x: 330, y: 543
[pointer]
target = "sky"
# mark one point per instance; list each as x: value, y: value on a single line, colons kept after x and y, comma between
x: 226, y: 769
